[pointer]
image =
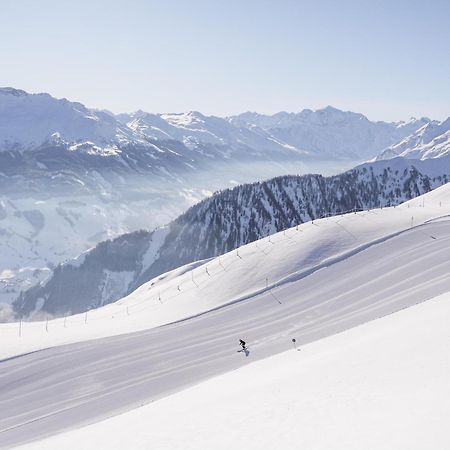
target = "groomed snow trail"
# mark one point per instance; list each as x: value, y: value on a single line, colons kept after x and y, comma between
x: 379, y: 386
x: 64, y: 387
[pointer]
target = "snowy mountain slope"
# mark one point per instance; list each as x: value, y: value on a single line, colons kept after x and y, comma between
x: 326, y: 132
x: 224, y: 222
x: 323, y: 278
x: 285, y: 257
x: 29, y: 120
x: 371, y: 377
x: 71, y: 176
x: 329, y: 131
x: 430, y: 141
x: 53, y: 214
x: 197, y: 131
x: 62, y: 164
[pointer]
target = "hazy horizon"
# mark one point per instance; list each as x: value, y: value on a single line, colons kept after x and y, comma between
x: 385, y: 60
x: 99, y: 108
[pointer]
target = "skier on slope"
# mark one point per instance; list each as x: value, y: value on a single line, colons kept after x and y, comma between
x: 242, y: 343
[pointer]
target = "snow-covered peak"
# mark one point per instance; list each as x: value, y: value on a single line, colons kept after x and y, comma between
x: 285, y: 119
x: 12, y: 91
x: 328, y: 130
x: 413, y: 121
x: 189, y: 119
x: 325, y: 116
x: 29, y: 120
x: 431, y: 140
x: 330, y: 114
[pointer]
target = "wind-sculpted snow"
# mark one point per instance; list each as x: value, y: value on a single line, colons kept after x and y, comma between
x: 309, y: 282
x: 228, y: 220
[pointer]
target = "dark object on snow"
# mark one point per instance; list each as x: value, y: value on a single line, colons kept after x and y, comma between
x: 242, y: 343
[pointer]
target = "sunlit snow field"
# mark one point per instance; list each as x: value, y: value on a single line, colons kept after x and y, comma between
x: 307, y: 283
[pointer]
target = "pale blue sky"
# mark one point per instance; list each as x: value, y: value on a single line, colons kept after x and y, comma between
x: 387, y: 59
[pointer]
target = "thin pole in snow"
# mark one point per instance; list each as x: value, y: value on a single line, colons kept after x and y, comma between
x: 267, y: 282
x: 237, y: 254
x: 159, y: 297
x: 20, y: 327
x: 206, y: 269
x: 294, y: 342
x: 412, y: 221
x: 274, y: 296
x: 192, y: 276
x: 85, y: 317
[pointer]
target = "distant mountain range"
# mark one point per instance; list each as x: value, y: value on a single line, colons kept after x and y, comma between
x: 30, y: 121
x: 221, y: 223
x: 71, y: 176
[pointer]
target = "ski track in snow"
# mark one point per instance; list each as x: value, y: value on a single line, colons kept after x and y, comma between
x: 65, y: 387
x: 382, y: 385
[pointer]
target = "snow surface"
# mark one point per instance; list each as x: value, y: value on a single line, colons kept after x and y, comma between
x: 324, y: 278
x: 276, y: 262
x: 383, y: 385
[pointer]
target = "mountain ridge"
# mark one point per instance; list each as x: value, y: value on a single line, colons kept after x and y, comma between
x: 74, y: 123
x: 432, y: 140
x: 223, y: 222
